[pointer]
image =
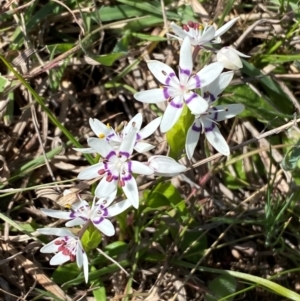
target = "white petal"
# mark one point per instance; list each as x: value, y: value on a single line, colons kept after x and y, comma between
x: 91, y: 172
x: 178, y: 31
x: 56, y: 231
x: 142, y: 147
x: 192, y: 138
x: 99, y: 128
x: 150, y: 128
x: 59, y: 259
x: 126, y: 147
x: 108, y: 199
x: 185, y: 61
x: 150, y: 96
x: 79, y: 254
x: 229, y: 111
x: 131, y: 191
x: 56, y: 213
x: 219, y: 84
x: 51, y: 247
x: 140, y: 168
x: 106, y: 227
x: 106, y: 188
x: 196, y: 103
x: 75, y: 222
x: 87, y: 150
x: 225, y: 27
x: 215, y: 138
x: 165, y: 166
x: 85, y: 267
x: 171, y: 114
x: 208, y: 35
x: 118, y: 208
x: 229, y: 59
x: 136, y: 121
x: 162, y: 72
x: 101, y: 146
x: 205, y: 76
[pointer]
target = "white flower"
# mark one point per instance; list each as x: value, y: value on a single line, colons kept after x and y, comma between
x: 177, y: 90
x: 230, y: 57
x: 67, y: 248
x: 116, y: 168
x: 114, y: 138
x: 98, y: 214
x: 199, y: 35
x: 165, y: 166
x: 207, y: 121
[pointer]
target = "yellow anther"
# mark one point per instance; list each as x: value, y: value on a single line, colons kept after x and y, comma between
x: 200, y: 26
x: 101, y: 135
x: 108, y: 125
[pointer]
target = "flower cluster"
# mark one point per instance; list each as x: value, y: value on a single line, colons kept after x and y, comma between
x: 115, y: 147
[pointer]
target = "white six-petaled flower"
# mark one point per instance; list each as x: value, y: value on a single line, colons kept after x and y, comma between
x: 116, y: 168
x: 177, y: 90
x: 81, y: 212
x: 201, y: 35
x: 207, y: 122
x: 67, y: 247
x: 115, y: 138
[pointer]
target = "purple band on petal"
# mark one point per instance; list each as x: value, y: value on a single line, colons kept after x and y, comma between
x: 213, y: 115
x: 125, y: 154
x: 196, y: 128
x: 176, y: 105
x: 138, y: 136
x: 73, y: 214
x: 211, y: 128
x: 197, y: 81
x: 169, y: 78
x: 97, y: 221
x: 166, y: 92
x: 111, y: 154
x: 186, y: 72
x: 188, y: 100
x: 127, y: 178
x: 129, y: 166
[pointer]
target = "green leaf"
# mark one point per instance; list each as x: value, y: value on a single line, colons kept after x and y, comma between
x: 59, y: 48
x: 3, y: 83
x: 100, y: 293
x: 177, y: 135
x: 221, y: 287
x: 91, y: 238
x: 147, y: 37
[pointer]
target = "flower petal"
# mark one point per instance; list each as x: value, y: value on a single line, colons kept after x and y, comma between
x: 185, y: 61
x: 126, y: 147
x: 205, y: 76
x: 178, y: 30
x: 228, y: 111
x: 225, y: 27
x: 100, y: 129
x: 196, y: 103
x: 214, y: 137
x: 51, y: 247
x: 85, y: 264
x: 105, y: 188
x: 131, y: 191
x: 118, y: 208
x: 207, y: 36
x: 91, y: 172
x: 140, y: 168
x: 192, y: 138
x: 75, y: 222
x: 218, y: 85
x: 142, y: 147
x: 135, y: 122
x: 56, y: 231
x: 150, y: 96
x: 87, y: 150
x: 101, y: 146
x: 106, y: 227
x: 59, y: 259
x: 163, y: 73
x: 150, y: 128
x: 229, y: 58
x: 171, y: 114
x: 165, y: 166
x: 56, y: 213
